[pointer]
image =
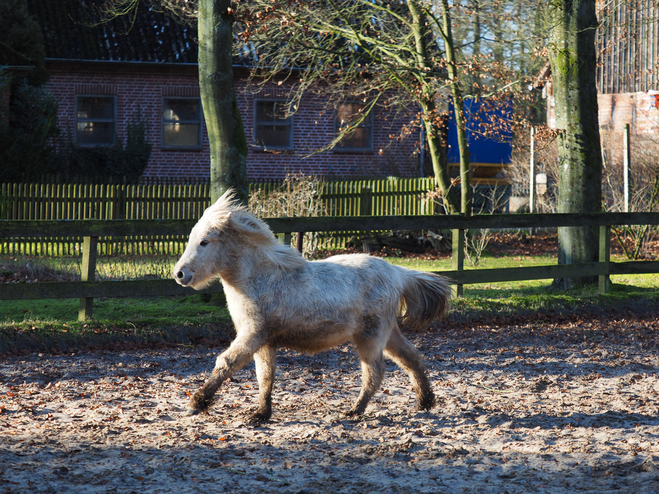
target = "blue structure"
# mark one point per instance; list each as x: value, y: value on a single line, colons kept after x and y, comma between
x: 483, y: 151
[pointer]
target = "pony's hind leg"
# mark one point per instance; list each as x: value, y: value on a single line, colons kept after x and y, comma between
x: 372, y: 360
x: 228, y: 362
x: 406, y: 356
x: 266, y: 362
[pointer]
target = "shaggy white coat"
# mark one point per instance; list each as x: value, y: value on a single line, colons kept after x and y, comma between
x: 278, y: 299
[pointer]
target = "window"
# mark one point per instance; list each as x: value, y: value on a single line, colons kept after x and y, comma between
x: 272, y: 128
x: 181, y: 123
x: 360, y: 139
x: 95, y: 120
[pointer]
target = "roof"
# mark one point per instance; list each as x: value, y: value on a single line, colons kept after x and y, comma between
x: 542, y: 77
x: 72, y: 31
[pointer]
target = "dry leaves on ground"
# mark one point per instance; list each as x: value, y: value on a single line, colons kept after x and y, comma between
x: 537, y: 407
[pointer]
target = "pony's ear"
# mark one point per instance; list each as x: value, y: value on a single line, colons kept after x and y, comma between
x: 246, y: 223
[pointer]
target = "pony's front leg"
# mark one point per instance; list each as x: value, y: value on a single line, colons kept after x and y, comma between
x: 228, y: 362
x: 266, y: 362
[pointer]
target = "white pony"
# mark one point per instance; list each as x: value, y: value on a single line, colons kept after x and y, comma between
x: 278, y: 299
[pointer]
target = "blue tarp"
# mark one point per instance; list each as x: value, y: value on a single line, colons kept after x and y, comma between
x: 483, y: 149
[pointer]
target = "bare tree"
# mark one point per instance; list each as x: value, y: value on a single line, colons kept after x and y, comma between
x: 380, y: 53
x: 392, y: 53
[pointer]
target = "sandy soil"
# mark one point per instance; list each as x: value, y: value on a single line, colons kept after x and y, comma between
x: 537, y: 407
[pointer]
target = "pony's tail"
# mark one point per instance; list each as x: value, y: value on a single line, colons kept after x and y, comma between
x: 425, y: 297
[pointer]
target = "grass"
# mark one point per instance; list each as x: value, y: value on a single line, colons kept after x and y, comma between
x: 52, y: 326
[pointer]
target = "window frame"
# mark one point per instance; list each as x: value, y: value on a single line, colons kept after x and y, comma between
x: 164, y: 121
x: 368, y: 124
x: 113, y: 120
x: 289, y: 123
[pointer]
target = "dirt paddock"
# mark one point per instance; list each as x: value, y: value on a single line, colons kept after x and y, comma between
x: 535, y: 407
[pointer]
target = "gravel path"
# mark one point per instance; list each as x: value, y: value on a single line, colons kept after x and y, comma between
x: 540, y: 407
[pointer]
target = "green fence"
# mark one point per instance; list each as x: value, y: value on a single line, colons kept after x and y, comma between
x: 103, y: 202
x: 380, y: 197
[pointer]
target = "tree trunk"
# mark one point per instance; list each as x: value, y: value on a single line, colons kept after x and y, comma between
x: 431, y: 120
x: 439, y: 166
x: 458, y: 109
x: 226, y: 135
x: 573, y: 62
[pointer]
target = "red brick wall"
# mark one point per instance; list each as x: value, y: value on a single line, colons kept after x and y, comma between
x: 640, y: 110
x: 142, y: 86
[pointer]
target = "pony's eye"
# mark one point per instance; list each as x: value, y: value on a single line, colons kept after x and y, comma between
x: 203, y: 243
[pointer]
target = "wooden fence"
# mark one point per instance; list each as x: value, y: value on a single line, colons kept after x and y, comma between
x: 91, y: 230
x: 381, y: 197
x: 101, y: 202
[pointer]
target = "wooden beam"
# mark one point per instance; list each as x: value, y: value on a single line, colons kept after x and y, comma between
x: 473, y: 276
x: 82, y: 228
x: 97, y: 289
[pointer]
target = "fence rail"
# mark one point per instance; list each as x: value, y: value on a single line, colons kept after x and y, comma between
x: 91, y: 230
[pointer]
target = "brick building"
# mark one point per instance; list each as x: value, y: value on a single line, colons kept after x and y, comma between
x: 106, y: 75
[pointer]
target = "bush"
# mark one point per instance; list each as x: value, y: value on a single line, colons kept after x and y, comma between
x: 297, y: 196
x: 546, y: 162
x: 643, y: 187
x: 27, y: 132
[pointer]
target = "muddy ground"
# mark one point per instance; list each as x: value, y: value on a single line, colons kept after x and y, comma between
x: 544, y: 406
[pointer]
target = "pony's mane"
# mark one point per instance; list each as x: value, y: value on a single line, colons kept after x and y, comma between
x: 253, y: 228
x: 218, y: 212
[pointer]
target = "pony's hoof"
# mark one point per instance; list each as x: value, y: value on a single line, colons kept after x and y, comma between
x: 258, y: 419
x: 191, y: 411
x: 426, y: 405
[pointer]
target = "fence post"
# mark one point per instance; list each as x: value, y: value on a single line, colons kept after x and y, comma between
x: 300, y: 241
x: 87, y: 273
x: 458, y: 257
x: 626, y: 161
x: 604, y: 280
x: 365, y: 206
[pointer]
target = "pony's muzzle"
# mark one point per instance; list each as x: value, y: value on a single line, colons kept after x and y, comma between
x: 183, y: 276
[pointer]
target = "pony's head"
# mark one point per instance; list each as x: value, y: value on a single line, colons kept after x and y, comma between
x: 225, y: 232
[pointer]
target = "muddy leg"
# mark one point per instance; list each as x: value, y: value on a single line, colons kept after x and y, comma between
x: 407, y: 357
x: 266, y: 362
x: 372, y: 360
x: 228, y: 362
